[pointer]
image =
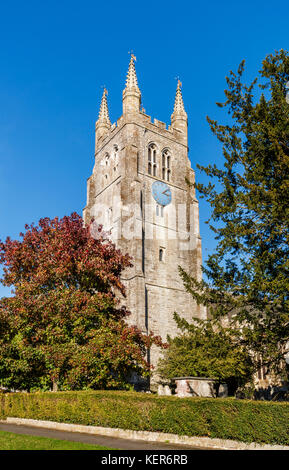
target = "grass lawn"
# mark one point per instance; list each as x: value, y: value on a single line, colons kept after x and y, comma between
x: 11, y: 441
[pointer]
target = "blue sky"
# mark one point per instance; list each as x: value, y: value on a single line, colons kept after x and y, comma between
x: 55, y: 56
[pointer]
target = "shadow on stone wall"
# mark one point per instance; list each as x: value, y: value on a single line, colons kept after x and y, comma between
x: 269, y: 393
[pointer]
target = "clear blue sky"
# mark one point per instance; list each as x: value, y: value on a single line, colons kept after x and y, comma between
x: 55, y: 56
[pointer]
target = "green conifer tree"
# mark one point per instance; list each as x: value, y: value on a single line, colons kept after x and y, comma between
x: 206, y: 348
x: 248, y: 191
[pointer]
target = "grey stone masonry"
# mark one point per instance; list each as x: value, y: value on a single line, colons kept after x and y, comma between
x: 130, y: 156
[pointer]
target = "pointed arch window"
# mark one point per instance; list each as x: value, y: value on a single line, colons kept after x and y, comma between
x: 115, y: 153
x: 152, y: 160
x: 106, y: 159
x: 166, y: 165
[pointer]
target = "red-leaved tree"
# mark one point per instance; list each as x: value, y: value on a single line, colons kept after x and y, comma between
x: 63, y: 327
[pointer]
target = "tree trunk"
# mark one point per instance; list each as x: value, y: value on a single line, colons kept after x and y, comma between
x: 54, y: 386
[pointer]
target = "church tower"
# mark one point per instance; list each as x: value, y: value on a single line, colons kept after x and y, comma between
x: 139, y: 191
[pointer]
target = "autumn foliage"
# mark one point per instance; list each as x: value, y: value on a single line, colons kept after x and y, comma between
x: 63, y: 327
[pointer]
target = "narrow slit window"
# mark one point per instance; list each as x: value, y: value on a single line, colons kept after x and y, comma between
x: 159, y: 210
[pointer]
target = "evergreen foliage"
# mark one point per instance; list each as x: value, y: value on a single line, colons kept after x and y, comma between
x: 248, y: 274
x: 242, y: 420
x: 205, y: 349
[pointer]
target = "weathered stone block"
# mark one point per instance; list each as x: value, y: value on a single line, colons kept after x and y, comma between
x: 199, y: 387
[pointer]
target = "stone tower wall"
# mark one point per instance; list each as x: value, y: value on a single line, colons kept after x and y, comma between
x: 119, y: 195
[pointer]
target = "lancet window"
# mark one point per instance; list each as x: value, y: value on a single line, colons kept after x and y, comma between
x: 152, y: 160
x: 166, y: 165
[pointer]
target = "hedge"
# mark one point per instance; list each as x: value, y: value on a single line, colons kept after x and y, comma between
x: 243, y: 420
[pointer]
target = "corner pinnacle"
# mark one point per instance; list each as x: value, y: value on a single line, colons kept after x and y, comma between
x: 131, y: 78
x: 103, y: 111
x: 179, y: 104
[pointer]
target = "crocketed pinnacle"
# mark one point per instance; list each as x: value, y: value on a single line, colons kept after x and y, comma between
x: 179, y: 104
x: 103, y: 112
x: 131, y: 78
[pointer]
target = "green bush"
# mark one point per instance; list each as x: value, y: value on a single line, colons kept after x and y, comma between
x: 243, y: 420
x: 205, y: 348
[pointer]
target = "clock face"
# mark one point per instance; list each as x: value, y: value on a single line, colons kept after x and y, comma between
x: 161, y: 193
